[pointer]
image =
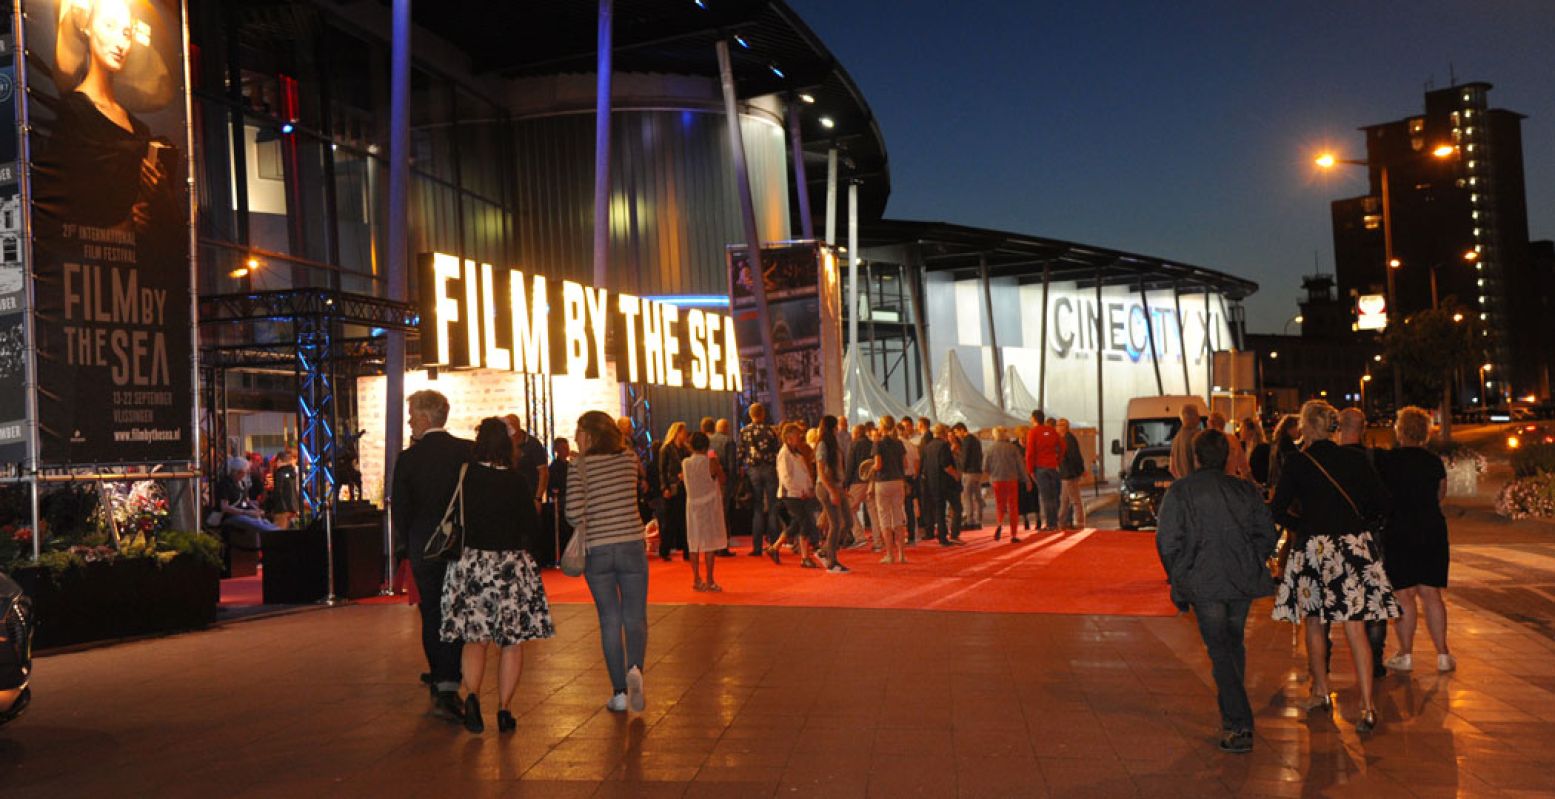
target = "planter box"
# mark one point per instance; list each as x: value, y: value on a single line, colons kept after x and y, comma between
x: 120, y: 598
x: 1462, y: 479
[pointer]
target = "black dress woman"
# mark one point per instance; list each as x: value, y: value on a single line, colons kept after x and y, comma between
x: 1416, y: 553
x: 1331, y: 499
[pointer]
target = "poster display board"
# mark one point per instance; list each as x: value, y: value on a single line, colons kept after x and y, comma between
x: 13, y: 317
x: 804, y: 304
x: 108, y: 146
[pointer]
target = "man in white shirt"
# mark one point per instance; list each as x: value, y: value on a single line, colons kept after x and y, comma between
x: 796, y: 490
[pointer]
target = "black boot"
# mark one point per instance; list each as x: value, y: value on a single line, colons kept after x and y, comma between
x: 472, y: 714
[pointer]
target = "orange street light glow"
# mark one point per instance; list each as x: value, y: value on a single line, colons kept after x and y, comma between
x: 1326, y: 160
x: 1444, y: 150
x: 240, y: 272
x: 1365, y: 378
x: 1471, y: 256
x: 1457, y: 317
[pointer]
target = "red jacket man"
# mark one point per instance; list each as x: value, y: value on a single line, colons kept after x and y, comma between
x: 1044, y: 446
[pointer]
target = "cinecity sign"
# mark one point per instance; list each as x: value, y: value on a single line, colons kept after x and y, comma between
x: 474, y: 315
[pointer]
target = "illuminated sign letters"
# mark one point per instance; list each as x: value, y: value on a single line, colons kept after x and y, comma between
x: 475, y: 316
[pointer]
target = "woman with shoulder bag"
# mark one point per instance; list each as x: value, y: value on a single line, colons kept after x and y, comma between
x: 492, y: 595
x: 1333, y: 574
x: 602, y: 503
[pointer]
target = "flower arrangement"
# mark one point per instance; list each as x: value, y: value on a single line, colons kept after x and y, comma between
x: 1454, y: 453
x: 1531, y: 497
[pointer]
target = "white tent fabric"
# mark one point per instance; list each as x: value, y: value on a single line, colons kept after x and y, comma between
x: 957, y: 400
x: 862, y: 395
x: 1016, y: 398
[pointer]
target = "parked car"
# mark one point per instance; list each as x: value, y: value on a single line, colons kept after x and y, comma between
x: 1144, y: 484
x: 16, y: 626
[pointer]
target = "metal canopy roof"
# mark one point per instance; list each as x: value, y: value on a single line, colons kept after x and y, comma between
x: 960, y: 249
x: 781, y: 54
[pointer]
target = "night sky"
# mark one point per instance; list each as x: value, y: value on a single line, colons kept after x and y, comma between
x: 1179, y: 130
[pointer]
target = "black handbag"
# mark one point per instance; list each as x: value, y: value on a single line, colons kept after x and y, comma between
x: 447, y: 540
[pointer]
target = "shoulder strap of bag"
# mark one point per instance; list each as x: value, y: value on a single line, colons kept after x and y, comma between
x: 1335, y: 484
x: 458, y: 492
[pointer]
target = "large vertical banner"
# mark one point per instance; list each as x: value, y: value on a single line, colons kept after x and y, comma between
x: 106, y: 105
x: 13, y: 319
x: 804, y: 303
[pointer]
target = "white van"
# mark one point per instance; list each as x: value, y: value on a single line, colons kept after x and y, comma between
x: 1151, y: 422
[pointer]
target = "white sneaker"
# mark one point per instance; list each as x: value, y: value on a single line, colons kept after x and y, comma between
x: 617, y: 704
x: 1400, y: 663
x: 634, y: 690
x: 1446, y: 662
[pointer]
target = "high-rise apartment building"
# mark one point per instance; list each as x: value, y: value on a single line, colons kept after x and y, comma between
x: 1460, y: 228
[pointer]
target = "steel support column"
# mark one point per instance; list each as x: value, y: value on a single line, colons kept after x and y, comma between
x: 1182, y: 338
x: 796, y: 150
x: 752, y: 232
x: 993, y: 336
x: 1155, y: 357
x: 913, y: 274
x: 831, y: 196
x: 1101, y: 395
x: 602, y: 146
x: 853, y: 264
x: 1047, y: 284
x: 398, y: 245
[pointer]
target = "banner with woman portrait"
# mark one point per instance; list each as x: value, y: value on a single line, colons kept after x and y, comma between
x: 108, y: 176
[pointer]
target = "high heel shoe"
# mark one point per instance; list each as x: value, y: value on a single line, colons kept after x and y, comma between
x: 1318, y: 702
x: 1367, y: 723
x: 506, y: 722
x: 472, y: 714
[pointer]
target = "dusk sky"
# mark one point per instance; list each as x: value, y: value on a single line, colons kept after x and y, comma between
x: 1179, y: 130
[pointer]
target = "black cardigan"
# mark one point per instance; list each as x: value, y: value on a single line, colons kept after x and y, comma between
x: 1306, y: 502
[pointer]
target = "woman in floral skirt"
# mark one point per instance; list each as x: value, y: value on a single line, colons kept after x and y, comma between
x: 492, y: 595
x: 1330, y: 499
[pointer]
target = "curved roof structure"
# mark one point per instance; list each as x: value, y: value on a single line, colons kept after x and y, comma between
x: 777, y: 53
x: 963, y: 250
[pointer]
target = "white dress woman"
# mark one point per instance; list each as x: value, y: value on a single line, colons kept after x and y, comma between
x: 705, y: 531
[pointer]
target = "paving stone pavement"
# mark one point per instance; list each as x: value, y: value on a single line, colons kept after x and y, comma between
x: 748, y: 702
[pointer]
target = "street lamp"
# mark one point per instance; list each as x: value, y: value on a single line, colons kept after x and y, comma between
x: 1327, y: 161
x: 1484, y: 392
x: 1365, y: 378
x: 1298, y: 319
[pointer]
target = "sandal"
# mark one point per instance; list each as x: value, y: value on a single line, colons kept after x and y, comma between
x: 713, y: 588
x: 699, y: 586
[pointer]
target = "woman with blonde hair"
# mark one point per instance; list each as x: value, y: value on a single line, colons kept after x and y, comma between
x: 1415, y: 553
x: 672, y: 491
x: 602, y: 506
x: 1330, y: 500
x: 1256, y: 445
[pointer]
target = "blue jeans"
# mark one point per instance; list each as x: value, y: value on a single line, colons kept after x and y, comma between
x: 1048, y: 486
x: 764, y: 516
x: 617, y: 575
x: 1221, y: 625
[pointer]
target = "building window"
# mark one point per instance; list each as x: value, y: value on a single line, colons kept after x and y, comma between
x: 1416, y: 125
x: 10, y: 252
x: 1372, y: 221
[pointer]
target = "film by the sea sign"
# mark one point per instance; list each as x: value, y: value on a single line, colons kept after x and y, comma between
x: 109, y: 138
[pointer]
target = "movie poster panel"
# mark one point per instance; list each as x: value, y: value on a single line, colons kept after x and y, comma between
x: 13, y: 321
x: 110, y: 215
x: 800, y: 281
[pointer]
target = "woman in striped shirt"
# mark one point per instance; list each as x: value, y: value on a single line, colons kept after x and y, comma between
x: 602, y: 504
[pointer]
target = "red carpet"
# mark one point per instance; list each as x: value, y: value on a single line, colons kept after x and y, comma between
x: 1100, y: 572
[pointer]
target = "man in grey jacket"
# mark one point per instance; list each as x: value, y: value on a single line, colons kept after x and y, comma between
x: 1213, y: 536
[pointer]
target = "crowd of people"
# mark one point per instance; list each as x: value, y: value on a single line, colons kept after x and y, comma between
x: 813, y: 491
x: 1364, y: 542
x: 1356, y: 535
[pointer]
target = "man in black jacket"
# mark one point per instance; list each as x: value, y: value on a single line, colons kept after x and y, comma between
x: 1213, y: 536
x: 425, y: 477
x: 941, y: 488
